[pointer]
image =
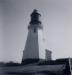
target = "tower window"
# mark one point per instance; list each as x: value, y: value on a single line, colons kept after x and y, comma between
x: 35, y: 30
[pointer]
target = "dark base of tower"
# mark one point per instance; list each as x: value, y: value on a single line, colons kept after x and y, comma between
x: 31, y: 61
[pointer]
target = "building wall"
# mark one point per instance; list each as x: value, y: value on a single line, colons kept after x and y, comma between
x: 48, y: 55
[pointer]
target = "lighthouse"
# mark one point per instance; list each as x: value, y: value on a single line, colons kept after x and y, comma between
x: 35, y: 46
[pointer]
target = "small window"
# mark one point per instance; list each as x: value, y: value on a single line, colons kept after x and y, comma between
x: 35, y: 30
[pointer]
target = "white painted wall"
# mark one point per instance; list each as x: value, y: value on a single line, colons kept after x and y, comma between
x: 41, y: 44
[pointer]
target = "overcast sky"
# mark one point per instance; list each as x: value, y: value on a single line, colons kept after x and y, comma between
x: 14, y: 20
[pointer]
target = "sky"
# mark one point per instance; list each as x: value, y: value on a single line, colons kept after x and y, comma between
x: 15, y: 17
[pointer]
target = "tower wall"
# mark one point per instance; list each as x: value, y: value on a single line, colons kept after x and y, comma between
x: 41, y: 44
x: 34, y: 48
x: 31, y: 50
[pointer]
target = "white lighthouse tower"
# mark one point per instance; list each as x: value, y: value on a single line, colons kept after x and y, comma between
x: 34, y: 48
